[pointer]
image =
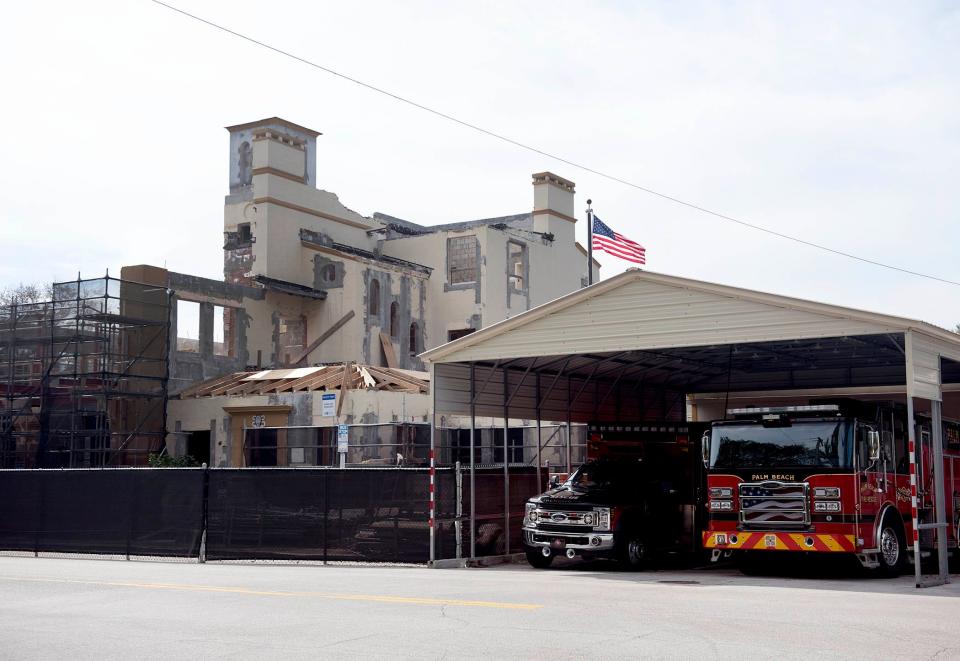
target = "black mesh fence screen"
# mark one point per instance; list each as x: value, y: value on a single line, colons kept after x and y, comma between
x: 358, y: 514
x: 20, y: 510
x: 372, y: 514
x: 110, y: 511
x: 490, y: 521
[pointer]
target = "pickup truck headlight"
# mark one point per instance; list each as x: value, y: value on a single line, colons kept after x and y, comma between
x: 531, y: 514
x: 603, y: 518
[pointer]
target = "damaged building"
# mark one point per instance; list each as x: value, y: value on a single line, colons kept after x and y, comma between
x: 309, y: 282
x: 312, y: 286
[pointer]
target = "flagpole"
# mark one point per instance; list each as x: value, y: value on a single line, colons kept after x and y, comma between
x: 589, y: 243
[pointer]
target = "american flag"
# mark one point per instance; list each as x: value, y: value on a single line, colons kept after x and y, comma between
x: 618, y: 245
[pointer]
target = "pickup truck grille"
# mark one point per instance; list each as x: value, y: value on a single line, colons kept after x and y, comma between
x: 774, y: 505
x: 556, y: 527
x: 563, y: 505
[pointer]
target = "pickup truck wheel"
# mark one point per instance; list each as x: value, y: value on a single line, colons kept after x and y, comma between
x: 537, y: 559
x: 633, y: 551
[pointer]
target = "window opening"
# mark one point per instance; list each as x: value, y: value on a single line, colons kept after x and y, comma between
x: 330, y: 273
x: 460, y: 446
x: 394, y: 320
x: 414, y: 339
x: 293, y: 336
x: 514, y: 445
x: 243, y: 233
x: 462, y: 259
x: 245, y: 164
x: 222, y: 331
x: 516, y: 266
x: 188, y: 326
x: 374, y: 296
x: 458, y: 333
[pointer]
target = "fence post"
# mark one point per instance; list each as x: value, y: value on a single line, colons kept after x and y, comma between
x: 458, y: 511
x: 432, y: 508
x: 433, y: 447
x: 202, y: 557
x: 506, y: 461
x: 134, y: 494
x: 326, y: 511
x: 41, y: 518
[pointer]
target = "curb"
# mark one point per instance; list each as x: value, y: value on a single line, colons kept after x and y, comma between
x: 483, y: 561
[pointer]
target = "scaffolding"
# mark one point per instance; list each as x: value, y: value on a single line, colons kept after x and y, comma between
x: 84, y: 376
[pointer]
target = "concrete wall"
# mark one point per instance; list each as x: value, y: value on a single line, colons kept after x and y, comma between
x: 251, y: 338
x: 209, y: 413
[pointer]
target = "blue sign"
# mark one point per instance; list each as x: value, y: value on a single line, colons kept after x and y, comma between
x: 343, y: 433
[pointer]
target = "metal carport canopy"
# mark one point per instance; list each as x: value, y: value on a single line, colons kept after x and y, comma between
x: 644, y: 331
x: 619, y: 350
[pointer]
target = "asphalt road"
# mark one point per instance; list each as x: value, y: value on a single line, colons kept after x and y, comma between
x: 53, y: 608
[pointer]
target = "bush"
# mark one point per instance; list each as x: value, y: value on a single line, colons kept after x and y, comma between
x: 166, y: 461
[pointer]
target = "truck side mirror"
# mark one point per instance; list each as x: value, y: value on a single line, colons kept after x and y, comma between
x: 705, y: 448
x: 873, y: 438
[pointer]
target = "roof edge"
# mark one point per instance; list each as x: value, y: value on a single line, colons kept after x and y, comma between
x: 778, y: 300
x: 274, y: 120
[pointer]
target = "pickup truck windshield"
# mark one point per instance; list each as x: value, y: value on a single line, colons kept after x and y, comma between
x: 603, y: 474
x: 751, y: 445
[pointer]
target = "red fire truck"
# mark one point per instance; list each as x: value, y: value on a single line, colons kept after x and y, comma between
x: 822, y: 478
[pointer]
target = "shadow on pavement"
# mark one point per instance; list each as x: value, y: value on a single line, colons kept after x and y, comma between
x: 814, y: 572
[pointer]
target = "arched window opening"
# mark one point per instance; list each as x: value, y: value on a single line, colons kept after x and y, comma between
x: 394, y: 320
x: 414, y: 339
x: 374, y: 297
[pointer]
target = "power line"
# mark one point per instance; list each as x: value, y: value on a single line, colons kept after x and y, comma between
x: 554, y: 157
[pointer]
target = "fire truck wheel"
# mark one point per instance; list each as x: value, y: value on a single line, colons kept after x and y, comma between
x: 893, y: 548
x: 632, y: 551
x: 537, y: 559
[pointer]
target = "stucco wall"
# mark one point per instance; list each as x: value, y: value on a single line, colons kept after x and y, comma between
x: 361, y: 407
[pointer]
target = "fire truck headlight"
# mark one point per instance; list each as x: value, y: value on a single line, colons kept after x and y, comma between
x: 603, y: 518
x: 721, y: 492
x: 826, y: 506
x: 826, y: 492
x: 721, y: 505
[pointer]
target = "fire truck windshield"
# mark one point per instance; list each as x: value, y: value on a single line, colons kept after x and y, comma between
x: 827, y: 443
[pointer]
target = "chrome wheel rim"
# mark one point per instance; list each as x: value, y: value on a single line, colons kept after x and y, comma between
x: 889, y: 547
x: 635, y: 551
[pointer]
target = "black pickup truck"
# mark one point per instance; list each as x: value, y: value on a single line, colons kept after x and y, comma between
x: 609, y: 508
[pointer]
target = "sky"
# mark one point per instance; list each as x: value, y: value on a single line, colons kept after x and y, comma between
x: 835, y: 122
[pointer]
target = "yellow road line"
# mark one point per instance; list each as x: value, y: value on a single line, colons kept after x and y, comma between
x: 389, y: 599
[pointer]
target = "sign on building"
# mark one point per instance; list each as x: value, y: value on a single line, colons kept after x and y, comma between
x: 328, y: 404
